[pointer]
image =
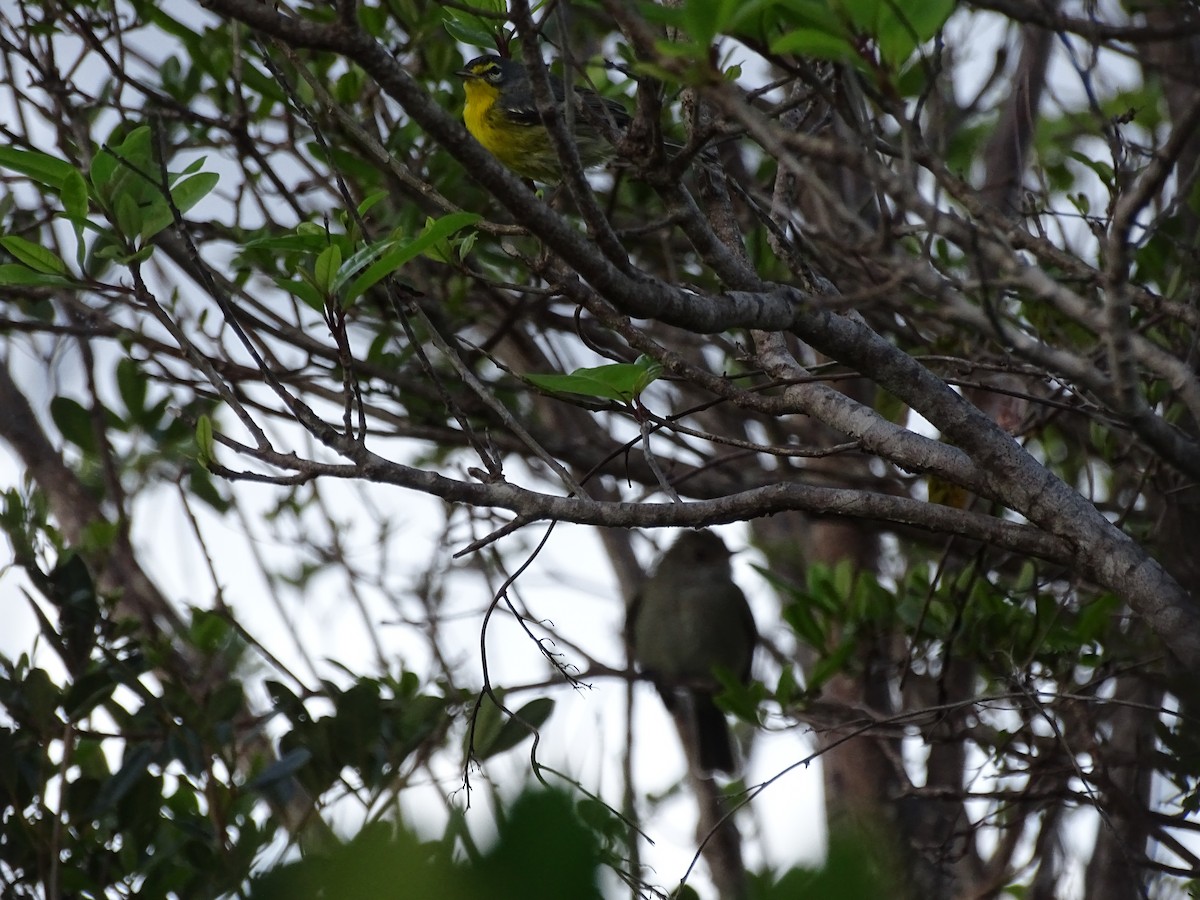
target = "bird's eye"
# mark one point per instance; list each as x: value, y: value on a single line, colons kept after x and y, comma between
x: 493, y: 73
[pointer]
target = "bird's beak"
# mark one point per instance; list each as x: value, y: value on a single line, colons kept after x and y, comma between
x: 465, y: 73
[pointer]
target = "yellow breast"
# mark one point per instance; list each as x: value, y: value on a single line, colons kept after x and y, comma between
x: 481, y: 96
x: 526, y: 149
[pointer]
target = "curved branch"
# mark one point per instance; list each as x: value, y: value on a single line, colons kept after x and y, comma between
x: 1099, y: 549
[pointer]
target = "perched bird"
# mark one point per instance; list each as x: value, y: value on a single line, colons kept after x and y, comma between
x: 689, y: 618
x: 501, y: 113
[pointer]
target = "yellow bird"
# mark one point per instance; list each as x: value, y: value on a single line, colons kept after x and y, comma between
x: 501, y: 114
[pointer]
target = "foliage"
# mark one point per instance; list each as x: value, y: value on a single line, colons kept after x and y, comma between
x: 926, y: 332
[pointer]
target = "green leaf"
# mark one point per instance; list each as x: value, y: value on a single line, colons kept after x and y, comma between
x: 194, y: 166
x: 326, y: 268
x: 74, y: 594
x: 708, y: 18
x: 305, y: 291
x: 280, y: 770
x: 40, y: 697
x: 204, y: 441
x: 360, y: 258
x: 140, y: 256
x: 284, y: 699
x: 191, y: 191
x: 126, y: 169
x: 200, y: 485
x: 622, y: 382
x: 495, y: 7
x: 900, y: 26
x: 787, y: 688
x: 1103, y: 170
x: 14, y: 274
x: 153, y: 217
x: 132, y: 768
x: 74, y: 422
x: 926, y: 17
x: 87, y: 692
x: 131, y: 384
x: 35, y: 256
x: 370, y: 201
x: 300, y: 242
x: 41, y: 168
x: 404, y: 252
x: 99, y: 536
x: 844, y: 575
x: 829, y: 665
x: 129, y: 182
x: 135, y: 158
x: 512, y: 730
x: 74, y: 196
x: 864, y: 14
x: 158, y: 213
x: 469, y: 29
x: 737, y: 697
x: 128, y: 215
x: 800, y: 616
x: 673, y: 16
x: 104, y: 166
x: 816, y: 44
x: 544, y: 851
